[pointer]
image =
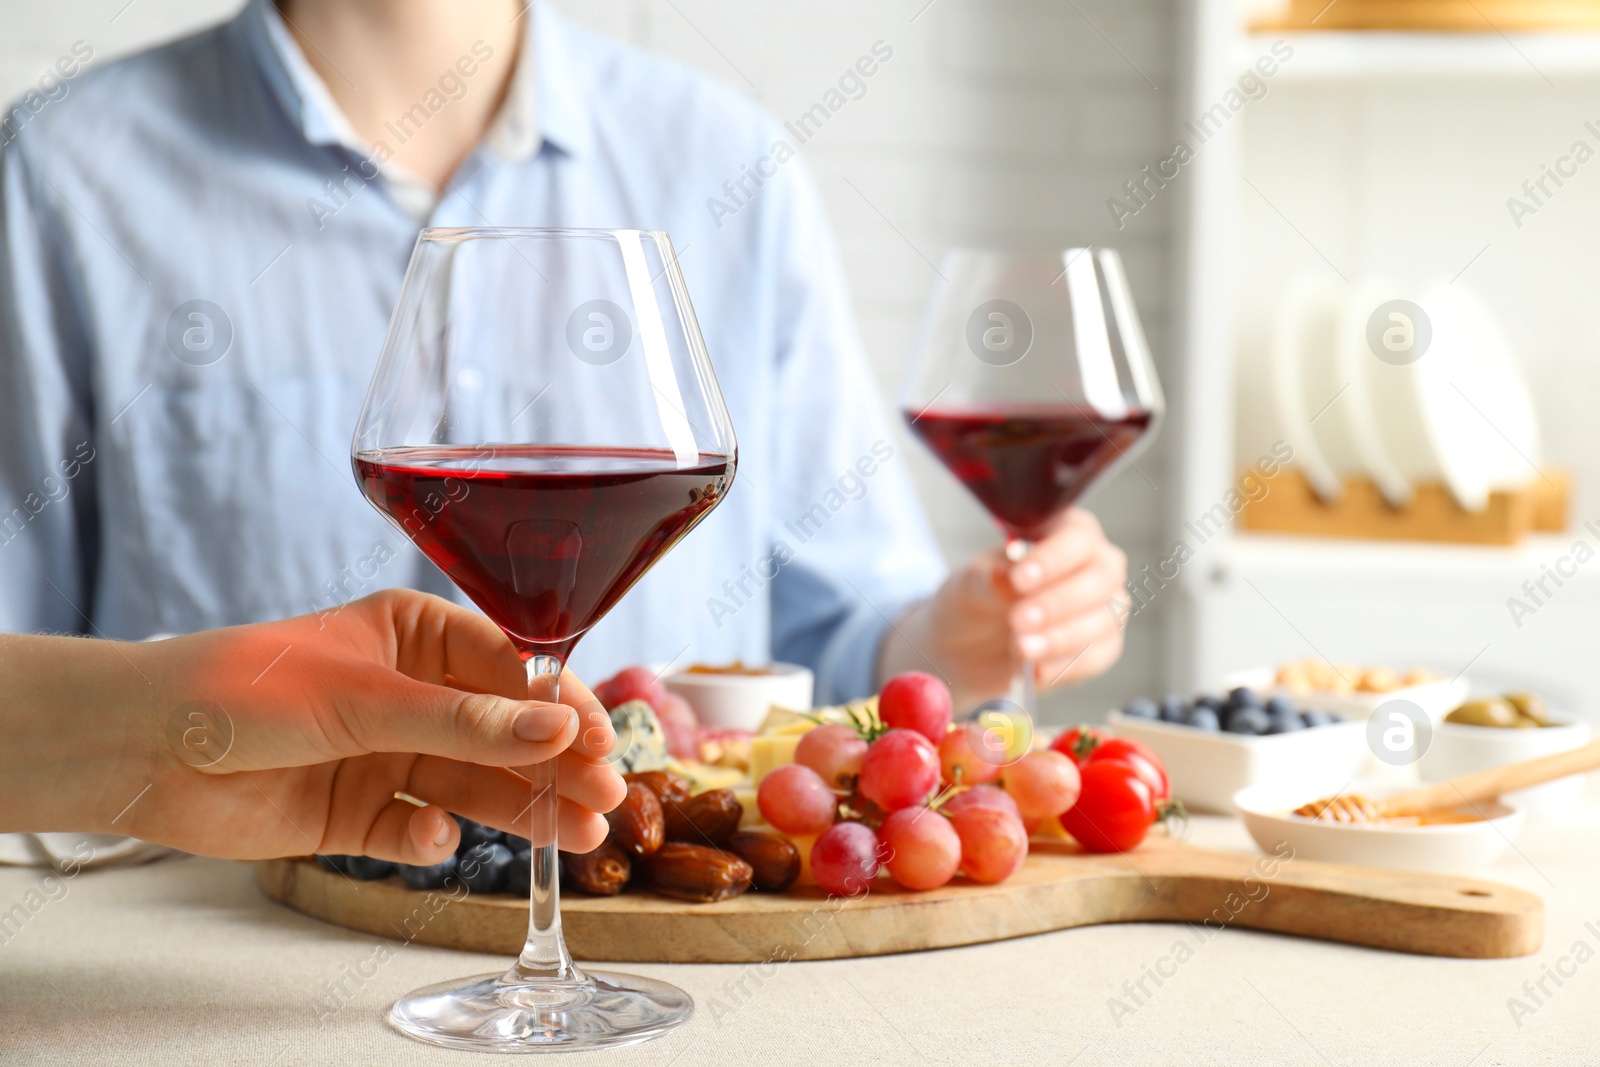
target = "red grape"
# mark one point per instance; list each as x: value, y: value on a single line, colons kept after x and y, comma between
x: 680, y: 726
x: 1114, y: 812
x: 993, y: 843
x: 981, y: 796
x: 844, y: 860
x: 900, y: 769
x: 920, y: 848
x: 1042, y: 784
x: 834, y: 751
x: 916, y: 701
x: 632, y: 683
x: 796, y: 800
x: 957, y: 752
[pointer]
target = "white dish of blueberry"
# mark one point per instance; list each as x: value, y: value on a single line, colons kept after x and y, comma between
x: 1242, y: 711
x: 1215, y: 746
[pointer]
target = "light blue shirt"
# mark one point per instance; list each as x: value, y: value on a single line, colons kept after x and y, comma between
x: 196, y: 278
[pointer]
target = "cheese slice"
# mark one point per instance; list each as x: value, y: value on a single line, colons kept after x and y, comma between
x: 768, y: 752
x: 803, y: 842
x: 706, y: 776
x: 751, y: 817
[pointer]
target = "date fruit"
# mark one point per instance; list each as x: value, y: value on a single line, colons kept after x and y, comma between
x: 696, y: 873
x: 774, y: 861
x: 706, y: 819
x: 602, y: 872
x: 669, y: 788
x: 638, y: 824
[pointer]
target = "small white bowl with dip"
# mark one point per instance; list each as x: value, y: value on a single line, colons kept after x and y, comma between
x: 1463, y: 848
x: 738, y: 697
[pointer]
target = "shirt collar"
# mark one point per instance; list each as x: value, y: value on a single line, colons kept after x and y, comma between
x: 544, y: 100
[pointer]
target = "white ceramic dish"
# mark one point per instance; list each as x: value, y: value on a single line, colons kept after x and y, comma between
x: 1457, y: 749
x: 1300, y: 354
x: 740, y: 701
x: 1456, y: 848
x: 1438, y: 699
x: 1208, y: 767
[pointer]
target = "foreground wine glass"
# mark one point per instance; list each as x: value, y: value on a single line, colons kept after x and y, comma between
x: 1031, y: 382
x: 544, y: 425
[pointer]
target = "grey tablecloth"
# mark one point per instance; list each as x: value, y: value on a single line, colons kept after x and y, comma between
x: 186, y: 962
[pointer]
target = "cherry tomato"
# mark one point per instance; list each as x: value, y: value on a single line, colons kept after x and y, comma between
x: 1138, y: 756
x: 1078, y: 742
x: 1115, y: 810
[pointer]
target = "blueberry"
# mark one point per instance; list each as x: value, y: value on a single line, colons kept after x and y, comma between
x: 430, y: 877
x: 367, y: 869
x: 1202, y: 719
x: 336, y: 864
x: 1173, y: 706
x: 1247, y: 721
x: 1141, y: 708
x: 475, y: 833
x: 484, y: 867
x: 1243, y: 697
x: 1216, y: 704
x: 1284, y: 724
x: 1319, y: 718
x: 519, y: 876
x: 1280, y: 705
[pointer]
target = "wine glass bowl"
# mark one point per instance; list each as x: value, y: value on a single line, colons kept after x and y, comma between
x: 1032, y: 382
x: 544, y: 425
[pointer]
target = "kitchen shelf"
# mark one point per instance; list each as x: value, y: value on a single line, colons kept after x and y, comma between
x: 1459, y: 568
x: 1373, y: 56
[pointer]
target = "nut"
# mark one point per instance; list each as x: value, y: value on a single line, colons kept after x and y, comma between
x: 637, y: 824
x: 774, y: 861
x: 706, y: 819
x: 696, y: 873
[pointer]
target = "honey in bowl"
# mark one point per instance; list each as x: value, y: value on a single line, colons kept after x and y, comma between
x: 736, y: 667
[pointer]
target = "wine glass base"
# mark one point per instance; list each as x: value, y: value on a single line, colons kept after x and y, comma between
x: 486, y: 1014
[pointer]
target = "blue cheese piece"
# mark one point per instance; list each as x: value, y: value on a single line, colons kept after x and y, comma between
x: 641, y: 744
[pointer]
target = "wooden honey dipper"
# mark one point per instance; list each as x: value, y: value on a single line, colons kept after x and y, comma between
x: 1467, y: 789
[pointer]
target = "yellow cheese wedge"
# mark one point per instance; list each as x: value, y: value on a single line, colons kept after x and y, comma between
x: 706, y: 776
x: 747, y: 798
x: 768, y: 752
x: 803, y: 842
x: 1050, y: 829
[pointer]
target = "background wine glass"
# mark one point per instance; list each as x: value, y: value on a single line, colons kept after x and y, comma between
x: 544, y: 425
x: 1031, y: 382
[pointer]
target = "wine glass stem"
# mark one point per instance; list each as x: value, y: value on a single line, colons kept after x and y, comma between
x: 1022, y: 681
x: 544, y: 956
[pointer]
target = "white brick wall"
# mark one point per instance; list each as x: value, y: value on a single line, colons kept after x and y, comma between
x: 997, y: 122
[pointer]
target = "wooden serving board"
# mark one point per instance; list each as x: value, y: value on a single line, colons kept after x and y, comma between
x: 1059, y: 887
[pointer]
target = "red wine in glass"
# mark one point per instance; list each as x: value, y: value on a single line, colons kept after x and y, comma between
x: 1027, y: 463
x: 545, y: 539
x: 545, y: 424
x: 1030, y: 382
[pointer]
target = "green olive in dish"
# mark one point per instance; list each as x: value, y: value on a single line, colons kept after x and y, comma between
x: 1491, y: 712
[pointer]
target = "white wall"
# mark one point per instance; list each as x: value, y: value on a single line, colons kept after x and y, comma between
x: 999, y: 122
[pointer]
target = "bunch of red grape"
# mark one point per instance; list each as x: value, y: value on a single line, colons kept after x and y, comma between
x: 913, y: 796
